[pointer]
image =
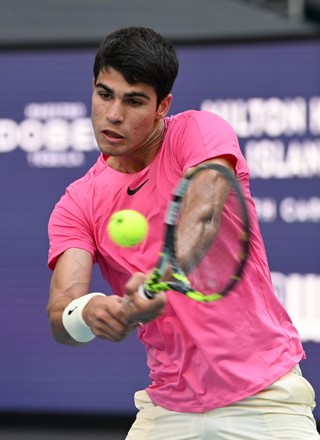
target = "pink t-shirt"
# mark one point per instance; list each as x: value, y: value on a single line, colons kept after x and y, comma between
x: 201, y: 356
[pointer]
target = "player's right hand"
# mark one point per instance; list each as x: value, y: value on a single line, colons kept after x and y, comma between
x: 107, y: 319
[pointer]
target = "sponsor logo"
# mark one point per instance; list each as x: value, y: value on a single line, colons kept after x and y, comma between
x: 130, y: 191
x: 71, y: 311
x: 52, y: 134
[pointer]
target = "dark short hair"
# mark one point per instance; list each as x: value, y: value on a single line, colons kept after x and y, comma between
x: 140, y: 55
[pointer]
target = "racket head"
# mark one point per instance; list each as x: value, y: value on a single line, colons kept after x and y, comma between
x: 220, y: 255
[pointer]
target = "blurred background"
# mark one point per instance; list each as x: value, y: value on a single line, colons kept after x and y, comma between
x: 257, y: 64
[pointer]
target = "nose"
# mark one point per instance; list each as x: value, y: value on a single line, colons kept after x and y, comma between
x: 115, y: 113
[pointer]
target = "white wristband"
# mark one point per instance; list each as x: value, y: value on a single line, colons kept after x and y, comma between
x: 73, y: 321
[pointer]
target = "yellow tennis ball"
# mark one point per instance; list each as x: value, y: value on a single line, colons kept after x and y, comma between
x: 127, y: 227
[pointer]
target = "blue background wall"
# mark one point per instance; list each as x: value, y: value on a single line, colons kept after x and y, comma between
x: 46, y: 143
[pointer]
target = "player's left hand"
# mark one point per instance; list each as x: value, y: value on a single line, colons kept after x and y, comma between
x: 139, y: 309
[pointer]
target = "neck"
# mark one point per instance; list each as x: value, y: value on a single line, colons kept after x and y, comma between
x: 139, y: 159
x: 153, y: 143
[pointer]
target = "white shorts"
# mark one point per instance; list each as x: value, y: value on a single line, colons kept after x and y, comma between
x: 281, y: 412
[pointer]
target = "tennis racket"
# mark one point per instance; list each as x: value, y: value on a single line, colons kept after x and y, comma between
x: 207, y: 237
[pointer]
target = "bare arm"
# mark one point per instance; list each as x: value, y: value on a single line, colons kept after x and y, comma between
x: 71, y: 279
x: 201, y: 214
x: 109, y: 317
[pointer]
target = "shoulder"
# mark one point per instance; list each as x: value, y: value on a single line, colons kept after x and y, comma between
x: 200, y: 123
x: 200, y: 120
x: 196, y: 115
x: 202, y: 135
x: 85, y: 185
x: 80, y: 192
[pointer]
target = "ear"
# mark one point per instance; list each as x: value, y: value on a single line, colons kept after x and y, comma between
x: 164, y: 107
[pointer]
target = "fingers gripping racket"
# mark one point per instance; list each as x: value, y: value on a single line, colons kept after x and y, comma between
x: 206, y: 242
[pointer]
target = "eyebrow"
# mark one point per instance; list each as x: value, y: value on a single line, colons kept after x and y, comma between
x: 132, y: 94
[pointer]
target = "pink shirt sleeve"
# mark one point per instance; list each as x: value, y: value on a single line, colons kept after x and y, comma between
x: 69, y: 228
x: 204, y: 135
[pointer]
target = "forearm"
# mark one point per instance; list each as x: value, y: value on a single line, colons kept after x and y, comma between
x: 108, y: 317
x: 70, y: 280
x: 55, y: 310
x: 200, y: 218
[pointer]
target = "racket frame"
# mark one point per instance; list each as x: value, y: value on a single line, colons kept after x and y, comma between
x: 180, y: 282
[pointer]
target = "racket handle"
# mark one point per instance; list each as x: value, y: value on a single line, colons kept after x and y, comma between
x: 144, y: 293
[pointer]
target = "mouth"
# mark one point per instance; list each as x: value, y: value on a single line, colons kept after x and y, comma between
x: 110, y: 134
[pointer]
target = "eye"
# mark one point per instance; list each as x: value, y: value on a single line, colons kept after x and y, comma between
x: 105, y: 95
x: 134, y: 102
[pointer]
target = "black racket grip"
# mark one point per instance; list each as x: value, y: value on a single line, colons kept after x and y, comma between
x: 145, y: 293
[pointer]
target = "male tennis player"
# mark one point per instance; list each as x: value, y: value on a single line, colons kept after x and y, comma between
x: 225, y: 372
